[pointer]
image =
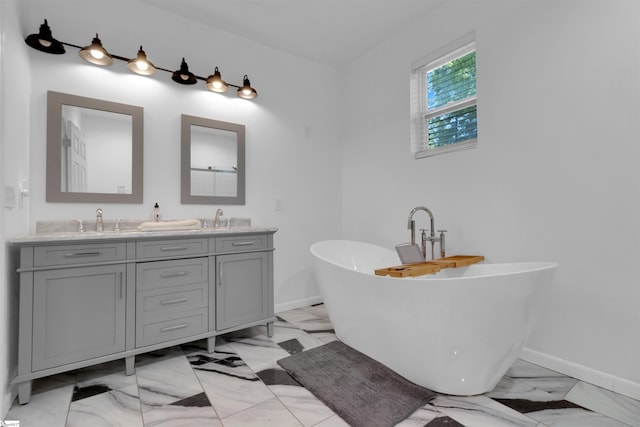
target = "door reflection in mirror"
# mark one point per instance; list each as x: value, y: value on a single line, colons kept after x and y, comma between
x: 96, y: 151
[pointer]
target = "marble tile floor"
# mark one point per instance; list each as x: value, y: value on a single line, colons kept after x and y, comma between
x: 240, y: 384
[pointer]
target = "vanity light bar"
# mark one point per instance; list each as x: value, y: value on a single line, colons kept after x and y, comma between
x: 96, y: 54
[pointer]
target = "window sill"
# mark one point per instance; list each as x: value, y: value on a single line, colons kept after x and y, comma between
x: 447, y: 149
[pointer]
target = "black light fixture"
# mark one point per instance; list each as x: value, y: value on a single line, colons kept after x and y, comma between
x: 44, y: 41
x: 141, y: 65
x: 183, y: 75
x: 95, y: 53
x: 246, y: 91
x: 215, y: 82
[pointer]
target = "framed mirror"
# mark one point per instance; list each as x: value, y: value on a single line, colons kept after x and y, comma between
x: 212, y: 162
x: 94, y: 150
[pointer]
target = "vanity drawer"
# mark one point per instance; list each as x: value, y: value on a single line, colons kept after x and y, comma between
x: 78, y: 254
x: 172, y: 300
x: 164, y: 274
x: 154, y: 331
x: 171, y: 248
x: 249, y: 242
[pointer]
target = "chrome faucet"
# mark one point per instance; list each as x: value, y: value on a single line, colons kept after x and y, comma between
x: 411, y: 225
x: 216, y: 221
x: 99, y: 226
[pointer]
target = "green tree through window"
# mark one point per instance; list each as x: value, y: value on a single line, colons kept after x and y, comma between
x: 446, y: 110
x: 454, y: 81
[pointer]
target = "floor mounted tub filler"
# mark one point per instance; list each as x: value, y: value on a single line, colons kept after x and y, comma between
x: 455, y: 332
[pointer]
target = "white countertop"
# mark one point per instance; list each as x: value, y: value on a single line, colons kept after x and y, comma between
x: 76, y: 236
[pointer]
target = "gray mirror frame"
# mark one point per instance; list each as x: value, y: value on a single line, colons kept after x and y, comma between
x: 55, y: 101
x: 185, y: 162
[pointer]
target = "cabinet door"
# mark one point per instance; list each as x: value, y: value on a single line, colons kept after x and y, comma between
x: 78, y: 314
x: 242, y: 289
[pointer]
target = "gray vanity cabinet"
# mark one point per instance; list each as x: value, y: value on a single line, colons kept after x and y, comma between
x: 78, y: 314
x: 88, y: 299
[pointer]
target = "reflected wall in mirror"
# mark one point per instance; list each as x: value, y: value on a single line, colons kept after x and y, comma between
x: 212, y: 161
x: 94, y: 150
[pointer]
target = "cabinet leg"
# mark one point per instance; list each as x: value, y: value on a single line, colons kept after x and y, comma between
x: 211, y: 344
x: 129, y: 365
x: 24, y: 392
x: 270, y: 329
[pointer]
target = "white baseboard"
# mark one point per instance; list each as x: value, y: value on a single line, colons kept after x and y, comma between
x: 297, y: 304
x: 601, y: 379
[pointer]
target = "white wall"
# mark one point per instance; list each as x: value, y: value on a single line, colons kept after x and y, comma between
x: 555, y: 177
x: 282, y: 162
x: 14, y: 151
x: 292, y: 139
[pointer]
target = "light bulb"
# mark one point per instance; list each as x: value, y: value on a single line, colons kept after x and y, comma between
x: 246, y: 91
x: 142, y: 65
x: 97, y: 54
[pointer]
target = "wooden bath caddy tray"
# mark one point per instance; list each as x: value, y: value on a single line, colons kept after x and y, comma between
x: 456, y: 261
x: 429, y: 267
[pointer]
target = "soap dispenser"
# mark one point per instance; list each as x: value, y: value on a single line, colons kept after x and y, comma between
x: 155, y: 213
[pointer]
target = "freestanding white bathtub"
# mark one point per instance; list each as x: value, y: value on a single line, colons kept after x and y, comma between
x: 455, y: 332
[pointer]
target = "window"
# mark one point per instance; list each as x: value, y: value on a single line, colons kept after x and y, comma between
x: 444, y: 100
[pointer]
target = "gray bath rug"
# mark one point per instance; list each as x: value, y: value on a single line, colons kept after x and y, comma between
x: 360, y: 390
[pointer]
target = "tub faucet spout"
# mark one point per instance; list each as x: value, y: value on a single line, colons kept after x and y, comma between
x: 411, y: 225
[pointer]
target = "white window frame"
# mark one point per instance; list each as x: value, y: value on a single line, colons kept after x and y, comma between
x: 419, y: 68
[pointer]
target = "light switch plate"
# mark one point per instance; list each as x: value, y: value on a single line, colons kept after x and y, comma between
x: 279, y: 204
x: 9, y: 197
